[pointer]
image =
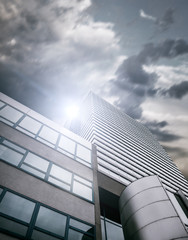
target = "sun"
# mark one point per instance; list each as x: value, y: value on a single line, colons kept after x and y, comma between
x: 72, y: 111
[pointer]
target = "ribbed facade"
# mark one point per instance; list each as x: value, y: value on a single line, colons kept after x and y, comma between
x: 126, y: 150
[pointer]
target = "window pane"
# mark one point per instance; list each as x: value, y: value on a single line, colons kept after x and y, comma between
x: 51, y: 221
x: 10, y: 155
x: 61, y: 173
x: 11, y: 114
x: 82, y: 226
x: 82, y: 190
x: 13, y: 226
x: 36, y: 161
x: 6, y: 121
x: 102, y: 229
x: 74, y: 235
x: 33, y: 171
x: 82, y: 180
x: 114, y: 232
x: 42, y: 236
x: 58, y: 183
x: 45, y: 142
x: 12, y: 145
x: 30, y: 124
x: 25, y: 131
x: 1, y: 190
x: 67, y: 144
x: 49, y: 134
x: 1, y: 104
x: 16, y: 206
x: 83, y: 153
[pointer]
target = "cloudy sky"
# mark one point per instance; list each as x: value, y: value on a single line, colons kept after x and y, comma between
x: 133, y: 53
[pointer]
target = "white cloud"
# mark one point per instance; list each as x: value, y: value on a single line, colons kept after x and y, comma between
x: 146, y: 16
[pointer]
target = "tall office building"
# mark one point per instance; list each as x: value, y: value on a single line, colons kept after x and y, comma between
x: 118, y: 184
x: 128, y: 153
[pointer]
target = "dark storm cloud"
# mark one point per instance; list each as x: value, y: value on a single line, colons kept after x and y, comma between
x: 167, y: 20
x: 133, y: 83
x: 177, y: 91
x: 162, y: 135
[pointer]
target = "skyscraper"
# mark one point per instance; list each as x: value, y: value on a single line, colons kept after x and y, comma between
x: 128, y: 153
x: 56, y: 185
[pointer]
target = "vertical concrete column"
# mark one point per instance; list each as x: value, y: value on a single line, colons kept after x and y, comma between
x: 96, y: 195
x: 147, y: 212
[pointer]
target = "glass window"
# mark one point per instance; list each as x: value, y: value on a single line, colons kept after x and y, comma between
x: 1, y: 104
x: 82, y: 226
x: 6, y: 121
x: 84, y: 153
x: 67, y: 144
x: 25, y: 131
x: 74, y: 235
x: 36, y: 161
x: 49, y: 134
x: 45, y: 142
x: 10, y: 155
x: 82, y: 180
x: 51, y: 221
x: 103, y: 230
x: 33, y: 171
x: 11, y: 114
x: 59, y: 183
x: 17, y: 207
x: 61, y: 173
x: 42, y: 236
x: 83, y: 162
x: 30, y: 124
x: 16, y: 147
x: 82, y: 190
x: 13, y: 226
x: 114, y: 231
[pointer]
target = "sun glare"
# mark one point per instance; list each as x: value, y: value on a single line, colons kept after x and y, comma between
x: 72, y: 111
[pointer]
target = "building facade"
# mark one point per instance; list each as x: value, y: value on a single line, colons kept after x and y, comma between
x: 129, y: 154
x: 117, y: 183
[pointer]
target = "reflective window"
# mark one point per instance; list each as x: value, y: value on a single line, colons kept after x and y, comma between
x: 13, y: 226
x: 12, y: 145
x: 61, y: 173
x: 1, y: 104
x: 83, y: 153
x: 49, y: 134
x: 17, y: 207
x: 67, y: 144
x: 32, y: 170
x: 36, y: 161
x: 30, y: 124
x: 59, y: 183
x: 11, y: 114
x: 113, y: 230
x: 42, y: 236
x: 74, y: 235
x: 51, y: 221
x: 82, y: 190
x: 10, y: 155
x: 82, y: 226
x: 82, y: 180
x: 47, y: 224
